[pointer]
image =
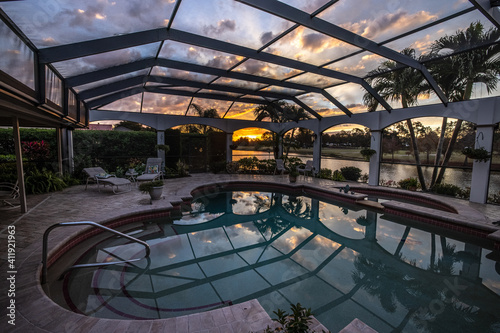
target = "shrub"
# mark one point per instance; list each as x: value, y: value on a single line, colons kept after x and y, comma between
x: 446, y: 189
x: 325, y: 173
x: 266, y: 166
x: 296, y: 322
x: 217, y: 166
x: 43, y: 182
x: 364, y: 178
x: 337, y: 176
x: 248, y: 164
x: 351, y: 173
x: 182, y: 168
x: 408, y: 183
x: 495, y: 198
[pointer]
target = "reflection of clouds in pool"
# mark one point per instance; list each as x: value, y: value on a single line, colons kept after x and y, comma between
x: 196, y: 218
x: 248, y: 203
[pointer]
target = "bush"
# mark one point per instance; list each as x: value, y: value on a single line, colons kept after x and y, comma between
x: 337, y: 176
x: 217, y: 166
x: 408, y: 183
x: 447, y: 189
x: 44, y: 181
x: 351, y: 173
x: 296, y: 322
x: 248, y: 164
x: 266, y: 166
x: 325, y: 173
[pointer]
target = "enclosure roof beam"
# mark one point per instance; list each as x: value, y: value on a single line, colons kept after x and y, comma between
x: 99, y: 102
x: 116, y: 86
x: 295, y: 15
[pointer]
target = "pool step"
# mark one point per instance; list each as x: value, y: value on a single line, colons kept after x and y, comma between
x: 370, y: 204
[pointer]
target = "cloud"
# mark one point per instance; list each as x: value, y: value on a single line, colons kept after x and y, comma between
x: 390, y: 22
x: 314, y: 41
x: 267, y: 37
x: 83, y: 17
x: 222, y: 26
x: 222, y: 61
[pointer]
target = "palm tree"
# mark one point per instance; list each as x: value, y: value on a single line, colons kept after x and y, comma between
x: 204, y: 113
x: 404, y: 84
x: 457, y: 74
x: 279, y: 112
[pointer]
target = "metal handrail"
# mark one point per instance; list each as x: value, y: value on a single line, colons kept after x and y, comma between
x: 63, y: 224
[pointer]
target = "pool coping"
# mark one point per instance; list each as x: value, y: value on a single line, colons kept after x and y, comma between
x: 40, y: 314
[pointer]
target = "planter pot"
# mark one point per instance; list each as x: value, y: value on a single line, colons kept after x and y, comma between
x: 156, y: 192
x: 292, y: 179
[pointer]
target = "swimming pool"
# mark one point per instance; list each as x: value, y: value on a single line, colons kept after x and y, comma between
x: 339, y: 259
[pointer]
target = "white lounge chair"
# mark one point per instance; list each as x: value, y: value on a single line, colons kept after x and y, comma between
x: 9, y: 195
x: 101, y: 177
x: 154, y: 170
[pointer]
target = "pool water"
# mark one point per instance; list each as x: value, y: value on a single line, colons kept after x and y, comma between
x: 341, y: 261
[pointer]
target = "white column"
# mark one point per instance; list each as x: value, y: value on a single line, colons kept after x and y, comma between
x: 481, y: 170
x: 59, y: 140
x: 19, y: 163
x: 160, y: 140
x: 317, y: 152
x: 229, y: 151
x: 375, y: 144
x: 71, y: 152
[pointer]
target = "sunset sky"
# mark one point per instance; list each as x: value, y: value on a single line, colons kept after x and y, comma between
x: 58, y: 22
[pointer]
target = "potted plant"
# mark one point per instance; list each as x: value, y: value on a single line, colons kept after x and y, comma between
x: 154, y: 188
x: 165, y: 148
x: 292, y: 175
x: 478, y: 154
x: 367, y: 153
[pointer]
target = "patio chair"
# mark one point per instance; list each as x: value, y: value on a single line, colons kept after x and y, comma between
x: 280, y: 166
x: 307, y: 168
x: 154, y: 167
x: 103, y: 178
x: 9, y: 195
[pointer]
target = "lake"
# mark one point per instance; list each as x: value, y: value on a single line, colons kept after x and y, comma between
x: 456, y: 176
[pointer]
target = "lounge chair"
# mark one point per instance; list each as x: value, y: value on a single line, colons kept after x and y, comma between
x: 308, y: 167
x: 101, y: 177
x: 154, y: 167
x: 9, y: 195
x: 280, y: 166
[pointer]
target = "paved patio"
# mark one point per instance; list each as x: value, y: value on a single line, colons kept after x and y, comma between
x: 37, y: 313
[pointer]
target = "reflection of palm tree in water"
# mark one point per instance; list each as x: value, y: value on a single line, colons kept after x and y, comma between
x: 297, y: 207
x: 431, y: 307
x: 277, y: 223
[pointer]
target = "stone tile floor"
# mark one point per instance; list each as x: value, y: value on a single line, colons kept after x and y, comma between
x: 36, y: 313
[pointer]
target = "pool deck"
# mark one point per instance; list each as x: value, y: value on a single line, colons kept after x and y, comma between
x: 35, y: 312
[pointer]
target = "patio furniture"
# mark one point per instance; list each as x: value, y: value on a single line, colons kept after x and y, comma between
x: 154, y: 167
x: 103, y: 178
x: 9, y: 195
x: 280, y: 166
x: 307, y: 168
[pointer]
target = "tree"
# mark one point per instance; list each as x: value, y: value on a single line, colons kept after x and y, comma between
x: 132, y: 125
x: 204, y: 113
x: 458, y: 73
x: 391, y: 142
x: 394, y: 84
x: 280, y: 112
